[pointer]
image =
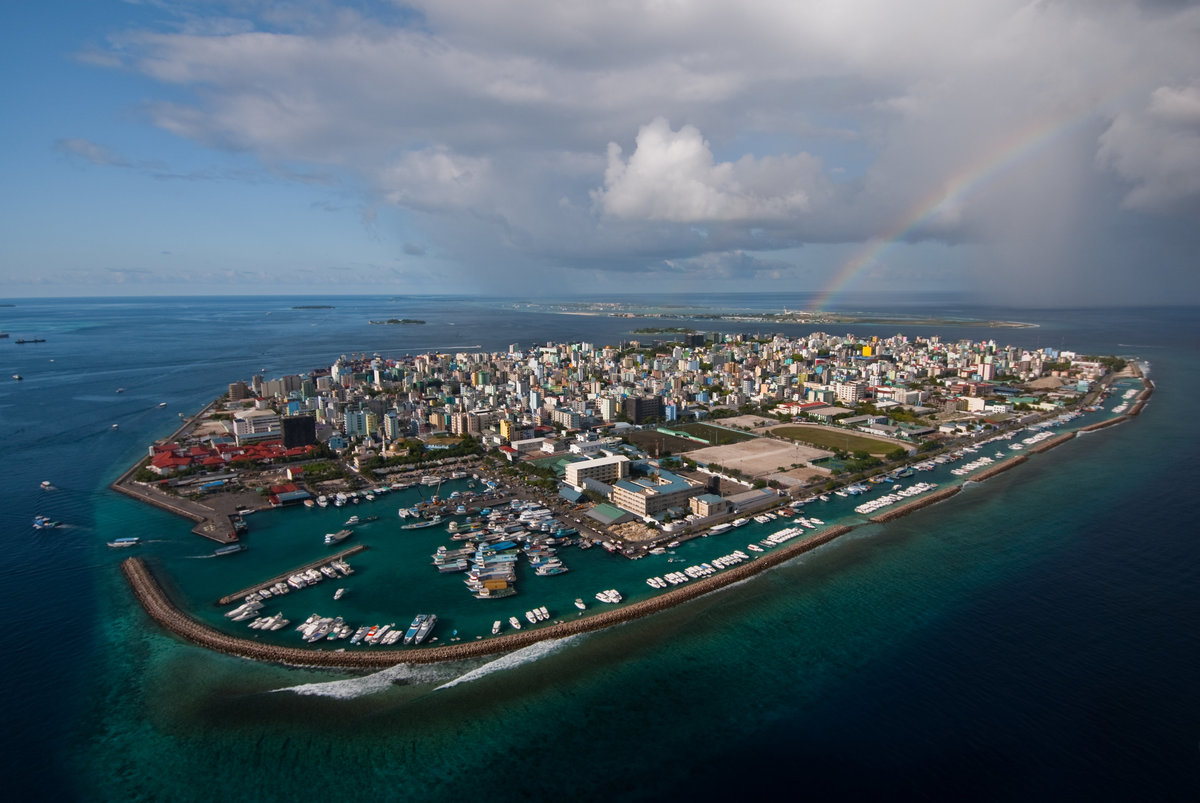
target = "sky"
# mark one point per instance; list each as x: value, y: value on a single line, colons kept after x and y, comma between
x: 1030, y: 153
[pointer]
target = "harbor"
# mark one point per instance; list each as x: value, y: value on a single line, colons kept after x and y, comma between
x: 161, y: 609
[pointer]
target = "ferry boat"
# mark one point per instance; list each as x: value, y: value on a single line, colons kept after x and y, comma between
x: 338, y: 537
x: 228, y: 549
x: 123, y: 542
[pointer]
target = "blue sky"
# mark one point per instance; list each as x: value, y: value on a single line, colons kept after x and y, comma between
x: 561, y: 146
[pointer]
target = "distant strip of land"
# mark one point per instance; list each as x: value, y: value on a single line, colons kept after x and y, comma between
x: 806, y: 317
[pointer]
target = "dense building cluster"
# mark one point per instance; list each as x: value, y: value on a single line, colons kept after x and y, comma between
x: 372, y: 403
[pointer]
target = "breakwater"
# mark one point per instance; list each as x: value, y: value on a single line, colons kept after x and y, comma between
x: 1121, y: 419
x: 158, y: 605
x: 280, y: 578
x: 1046, y: 446
x: 915, y: 505
x: 1000, y: 468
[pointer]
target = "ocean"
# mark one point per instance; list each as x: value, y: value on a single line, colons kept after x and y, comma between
x: 1034, y: 637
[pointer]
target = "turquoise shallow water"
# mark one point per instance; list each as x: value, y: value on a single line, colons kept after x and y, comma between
x: 1032, y: 637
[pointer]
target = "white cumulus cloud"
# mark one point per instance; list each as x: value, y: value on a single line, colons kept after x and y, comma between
x: 672, y: 176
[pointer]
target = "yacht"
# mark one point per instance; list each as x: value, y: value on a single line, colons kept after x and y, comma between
x: 338, y: 537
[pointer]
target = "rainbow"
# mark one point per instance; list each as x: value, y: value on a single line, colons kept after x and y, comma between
x: 1026, y: 141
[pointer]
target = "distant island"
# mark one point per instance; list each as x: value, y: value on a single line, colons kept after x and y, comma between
x: 665, y: 330
x: 314, y: 306
x: 398, y: 321
x: 785, y: 316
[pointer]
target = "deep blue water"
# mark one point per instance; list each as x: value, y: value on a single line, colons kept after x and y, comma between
x: 1035, y: 637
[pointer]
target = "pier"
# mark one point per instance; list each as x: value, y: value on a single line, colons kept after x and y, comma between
x: 237, y: 595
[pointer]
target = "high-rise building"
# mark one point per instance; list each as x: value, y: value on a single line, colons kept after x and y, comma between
x: 639, y: 409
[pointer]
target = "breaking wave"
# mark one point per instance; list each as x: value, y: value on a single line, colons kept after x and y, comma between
x: 522, y: 656
x: 374, y: 683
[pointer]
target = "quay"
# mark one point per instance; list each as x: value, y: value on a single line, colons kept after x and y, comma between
x: 345, y: 553
x: 162, y: 610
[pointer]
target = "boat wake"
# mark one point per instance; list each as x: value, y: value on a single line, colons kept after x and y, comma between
x: 369, y: 684
x: 521, y: 657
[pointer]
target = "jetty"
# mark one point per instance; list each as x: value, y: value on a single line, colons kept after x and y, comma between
x: 280, y: 578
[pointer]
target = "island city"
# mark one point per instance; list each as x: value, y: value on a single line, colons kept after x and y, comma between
x: 693, y: 463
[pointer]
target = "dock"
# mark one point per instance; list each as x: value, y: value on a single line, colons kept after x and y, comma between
x: 281, y: 578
